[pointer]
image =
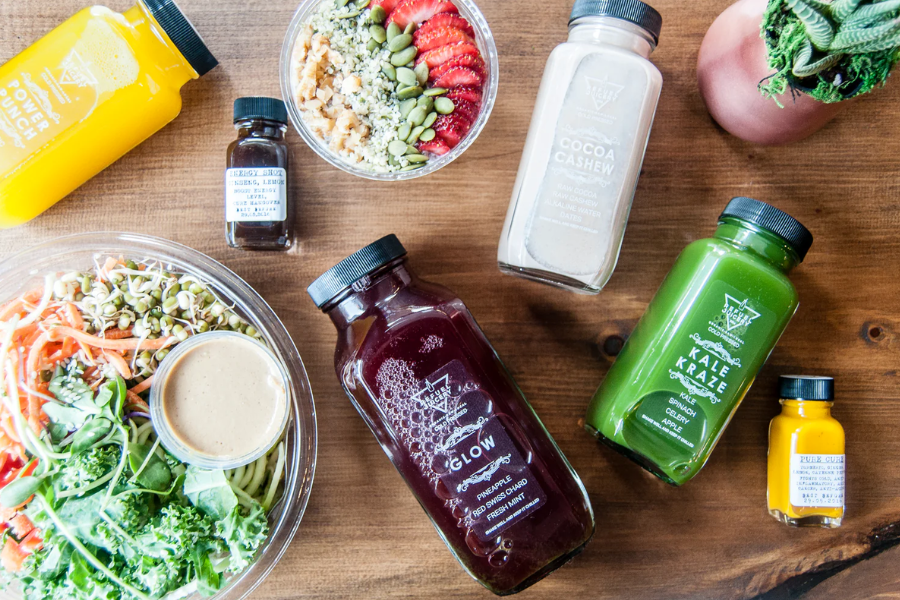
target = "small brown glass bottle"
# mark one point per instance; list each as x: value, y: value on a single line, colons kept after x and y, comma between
x: 258, y: 211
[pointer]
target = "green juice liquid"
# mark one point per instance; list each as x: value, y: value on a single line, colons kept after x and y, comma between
x: 696, y: 351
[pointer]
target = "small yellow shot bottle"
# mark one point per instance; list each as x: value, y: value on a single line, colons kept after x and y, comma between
x: 806, y: 455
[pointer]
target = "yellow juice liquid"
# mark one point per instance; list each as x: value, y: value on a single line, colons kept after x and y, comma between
x: 78, y: 99
x: 805, y: 430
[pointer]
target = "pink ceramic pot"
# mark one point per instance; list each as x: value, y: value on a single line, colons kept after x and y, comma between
x: 732, y: 63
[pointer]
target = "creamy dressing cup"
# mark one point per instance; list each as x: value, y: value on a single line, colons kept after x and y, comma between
x: 169, y: 436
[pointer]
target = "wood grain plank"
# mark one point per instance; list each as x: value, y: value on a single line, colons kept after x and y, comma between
x: 364, y: 534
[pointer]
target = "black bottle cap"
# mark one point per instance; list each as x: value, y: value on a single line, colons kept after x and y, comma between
x: 771, y: 219
x: 182, y: 34
x: 257, y: 107
x: 806, y: 387
x: 353, y: 268
x: 634, y: 11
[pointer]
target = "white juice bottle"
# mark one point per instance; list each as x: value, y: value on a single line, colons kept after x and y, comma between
x: 584, y: 149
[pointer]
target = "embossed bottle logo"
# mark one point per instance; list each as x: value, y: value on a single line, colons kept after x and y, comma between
x: 603, y: 91
x: 737, y: 313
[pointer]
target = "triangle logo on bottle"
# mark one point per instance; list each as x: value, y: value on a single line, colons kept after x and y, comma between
x: 435, y: 394
x: 603, y: 91
x: 737, y: 313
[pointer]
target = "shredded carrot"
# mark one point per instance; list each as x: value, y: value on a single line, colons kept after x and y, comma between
x: 142, y: 386
x: 58, y: 333
x: 120, y: 364
x: 136, y: 400
x: 115, y: 333
x: 74, y: 316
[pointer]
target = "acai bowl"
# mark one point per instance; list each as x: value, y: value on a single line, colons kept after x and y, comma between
x: 389, y: 90
x: 92, y: 503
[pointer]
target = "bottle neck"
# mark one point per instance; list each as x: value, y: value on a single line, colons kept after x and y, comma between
x: 151, y: 40
x: 760, y: 242
x: 260, y: 128
x: 611, y: 31
x: 373, y: 290
x: 810, y: 409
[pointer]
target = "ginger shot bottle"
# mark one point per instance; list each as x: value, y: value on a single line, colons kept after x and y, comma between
x: 806, y: 455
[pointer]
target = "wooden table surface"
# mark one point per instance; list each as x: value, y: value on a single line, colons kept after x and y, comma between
x: 363, y: 534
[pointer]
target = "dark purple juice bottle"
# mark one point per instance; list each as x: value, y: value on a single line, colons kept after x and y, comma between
x: 452, y: 420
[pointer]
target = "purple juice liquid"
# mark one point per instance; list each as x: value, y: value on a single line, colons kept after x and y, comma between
x: 467, y: 443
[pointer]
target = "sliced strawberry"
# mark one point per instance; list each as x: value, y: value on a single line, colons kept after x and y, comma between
x: 472, y: 93
x: 444, y: 20
x: 466, y: 109
x: 442, y: 54
x: 418, y: 11
x: 435, y: 146
x: 441, y: 36
x: 387, y: 5
x: 459, y: 76
x: 472, y: 61
x: 451, y: 128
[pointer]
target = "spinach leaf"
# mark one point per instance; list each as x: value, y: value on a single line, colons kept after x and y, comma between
x: 92, y: 432
x: 105, y: 394
x: 155, y: 475
x: 68, y: 416
x: 57, y: 432
x: 210, y: 492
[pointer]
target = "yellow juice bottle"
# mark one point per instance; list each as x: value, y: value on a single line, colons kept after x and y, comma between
x: 85, y: 94
x: 806, y: 455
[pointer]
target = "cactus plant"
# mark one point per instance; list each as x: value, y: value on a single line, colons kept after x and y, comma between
x: 831, y: 51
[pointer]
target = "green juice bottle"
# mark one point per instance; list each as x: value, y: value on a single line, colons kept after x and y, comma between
x: 701, y: 342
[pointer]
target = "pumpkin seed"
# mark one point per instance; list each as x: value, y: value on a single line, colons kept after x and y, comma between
x: 444, y: 106
x: 422, y: 73
x: 417, y: 116
x: 413, y: 137
x: 389, y: 71
x: 406, y: 107
x: 406, y: 93
x: 373, y: 45
x: 427, y: 135
x: 393, y: 160
x: 398, y: 43
x: 416, y: 158
x: 378, y: 33
x: 350, y: 15
x: 404, y: 131
x: 412, y: 167
x: 404, y: 56
x: 377, y: 15
x: 398, y: 148
x: 362, y: 3
x: 407, y: 77
x: 410, y: 149
x: 392, y: 31
x: 435, y: 91
x: 410, y: 27
x: 426, y: 103
x: 342, y: 3
x: 430, y: 119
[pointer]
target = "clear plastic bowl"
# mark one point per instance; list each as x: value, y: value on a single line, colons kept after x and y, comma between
x: 26, y: 270
x: 483, y: 37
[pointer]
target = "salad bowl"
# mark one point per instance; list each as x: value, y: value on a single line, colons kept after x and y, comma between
x: 26, y: 271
